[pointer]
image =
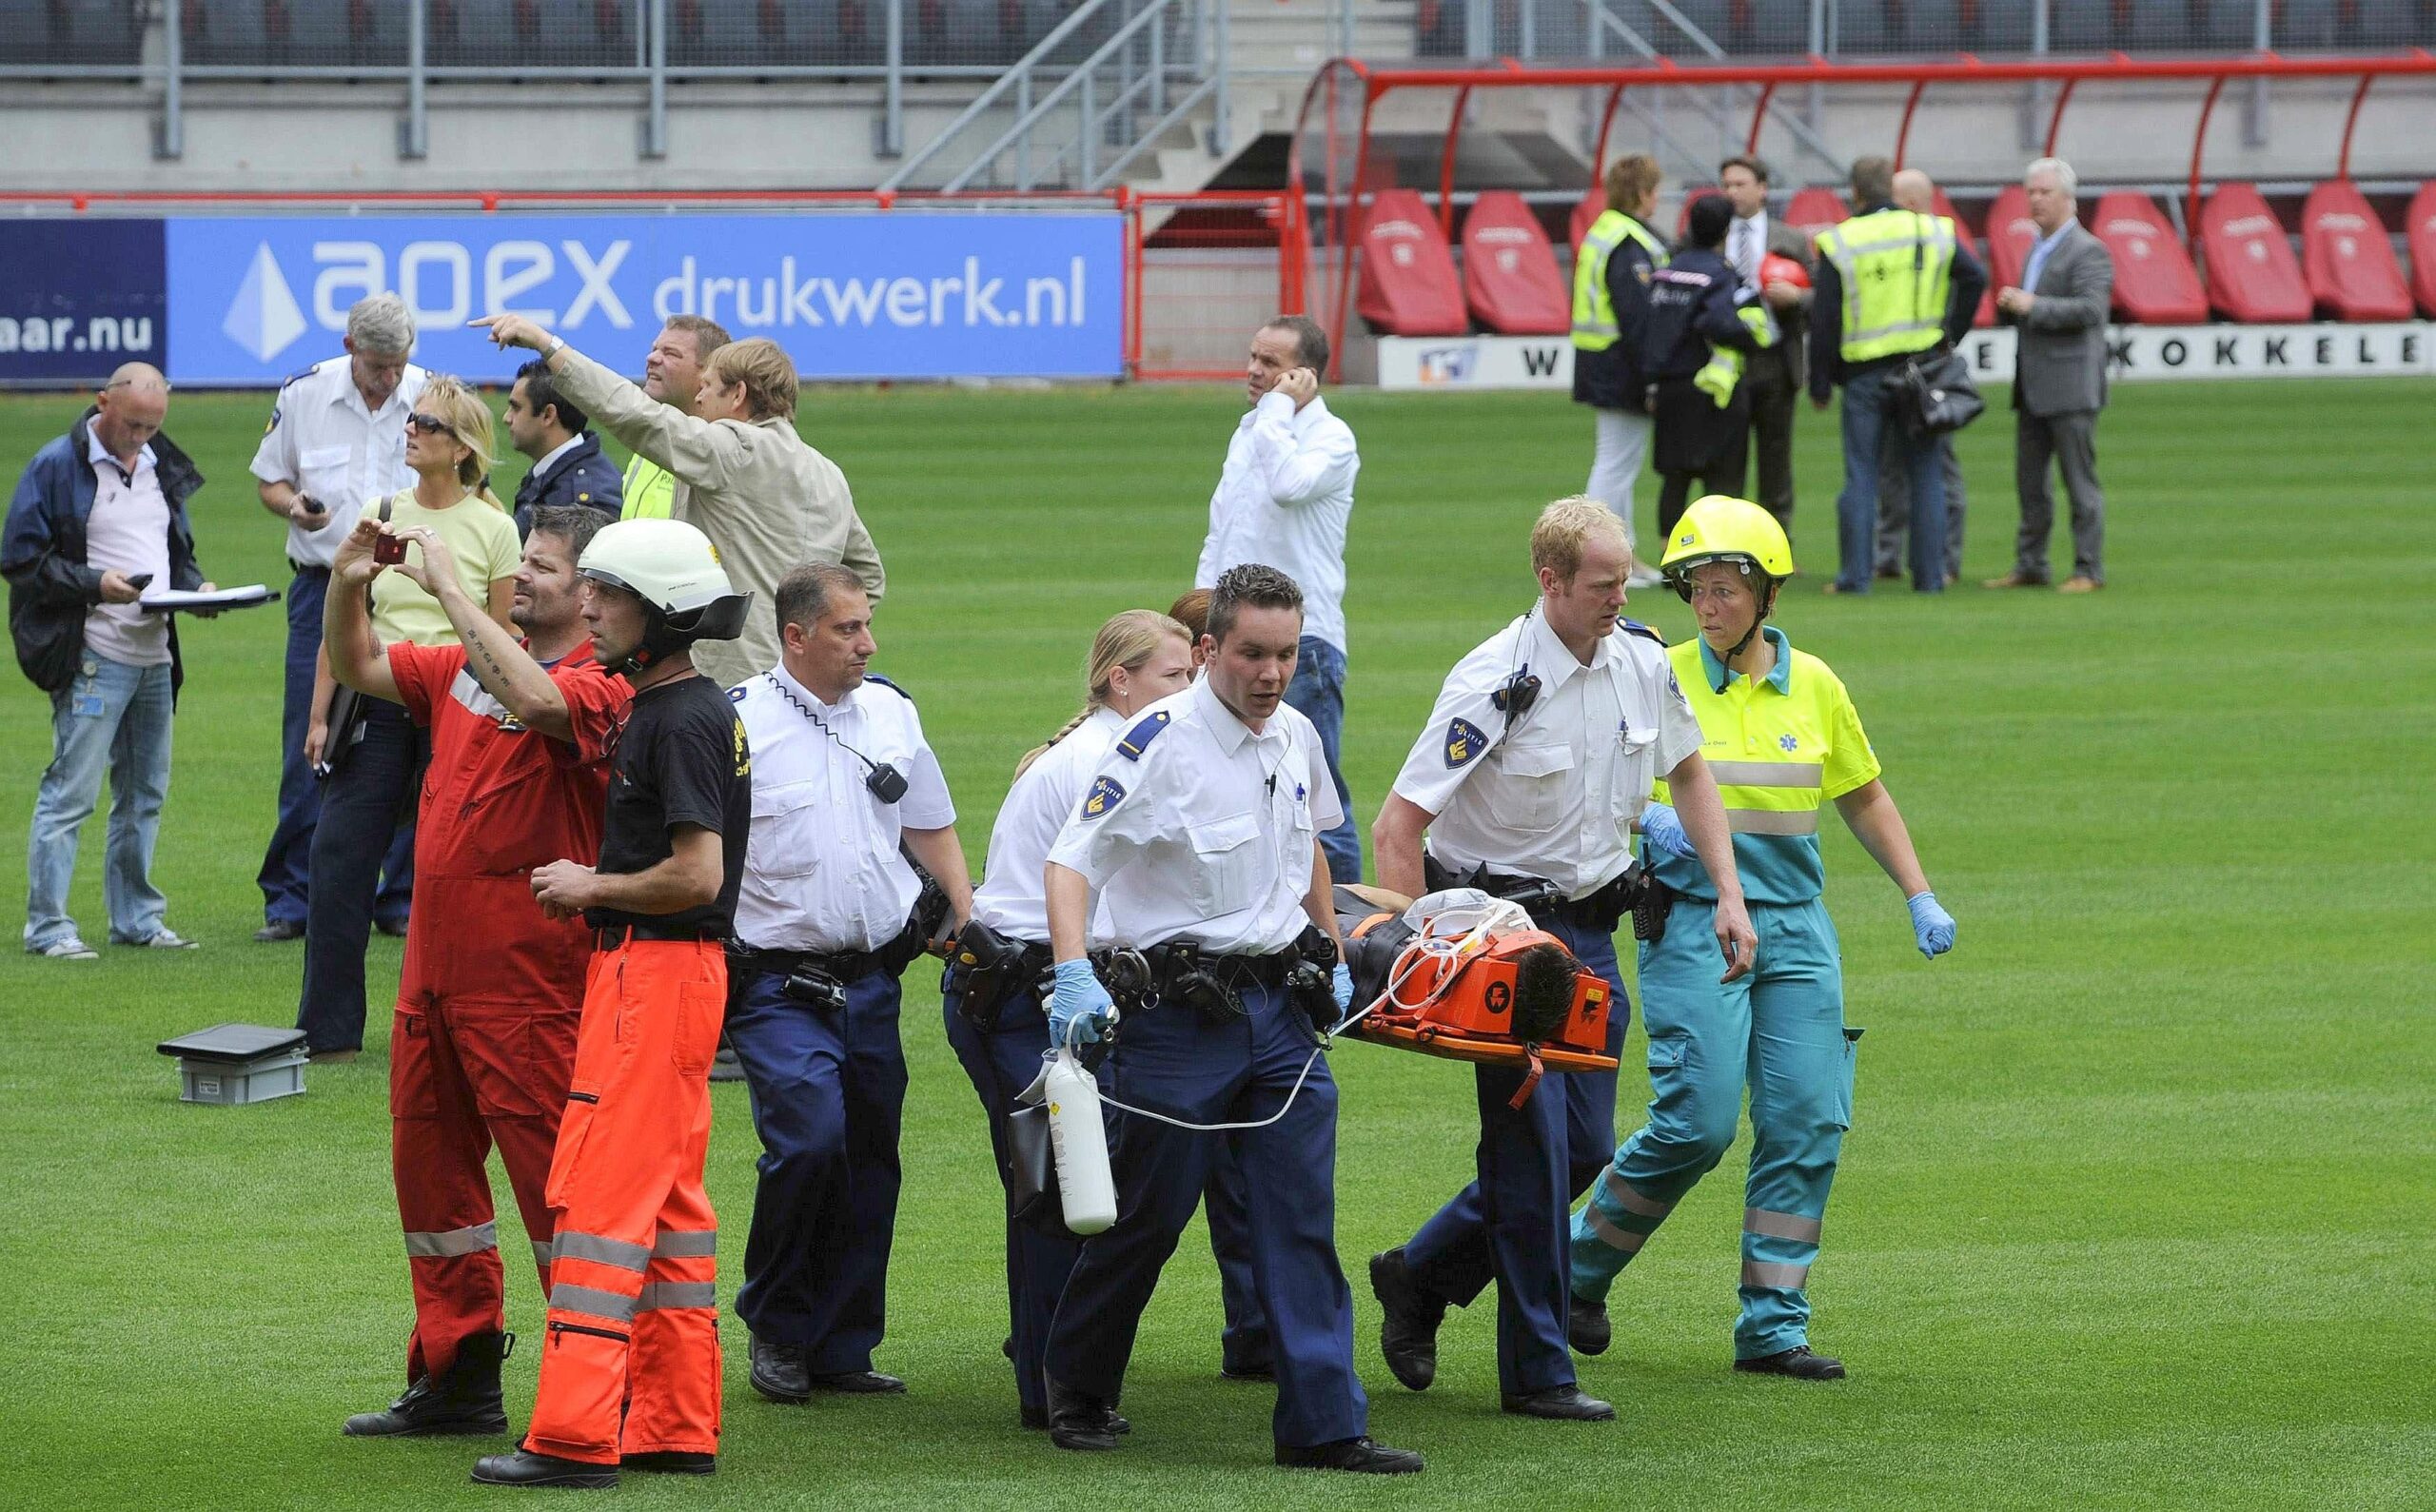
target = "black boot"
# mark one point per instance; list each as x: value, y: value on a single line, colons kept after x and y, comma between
x: 1035, y: 1420
x: 672, y: 1462
x: 524, y: 1467
x: 1078, y: 1421
x: 778, y: 1372
x: 1359, y: 1455
x: 1798, y: 1362
x: 1408, y: 1324
x: 463, y: 1399
x: 1585, y: 1326
x: 857, y: 1384
x: 1566, y: 1404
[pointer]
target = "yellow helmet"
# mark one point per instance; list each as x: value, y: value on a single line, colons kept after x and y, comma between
x: 1719, y: 528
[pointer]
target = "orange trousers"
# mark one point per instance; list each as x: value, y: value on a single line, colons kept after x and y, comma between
x: 631, y: 1363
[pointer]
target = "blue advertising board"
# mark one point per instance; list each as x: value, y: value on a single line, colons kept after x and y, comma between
x: 78, y: 298
x: 252, y: 300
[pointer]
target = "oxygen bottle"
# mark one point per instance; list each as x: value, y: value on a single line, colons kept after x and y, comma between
x: 1079, y: 1141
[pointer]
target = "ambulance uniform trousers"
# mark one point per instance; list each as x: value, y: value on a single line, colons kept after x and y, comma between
x: 1003, y: 1061
x: 631, y: 1364
x: 1173, y: 1060
x: 1781, y: 1032
x: 828, y: 1100
x: 477, y: 1057
x: 1510, y: 1224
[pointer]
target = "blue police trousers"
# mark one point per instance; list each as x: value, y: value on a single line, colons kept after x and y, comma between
x: 1781, y: 1032
x: 1510, y: 1224
x: 828, y: 1096
x: 1178, y: 1063
x: 1002, y: 1061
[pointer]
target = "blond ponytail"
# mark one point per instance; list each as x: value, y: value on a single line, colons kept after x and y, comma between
x: 1128, y: 640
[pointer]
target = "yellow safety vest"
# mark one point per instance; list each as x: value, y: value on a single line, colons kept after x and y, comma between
x: 1897, y: 271
x: 1594, y: 312
x: 650, y: 490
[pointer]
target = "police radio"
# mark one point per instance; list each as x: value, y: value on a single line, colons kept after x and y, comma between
x: 882, y: 778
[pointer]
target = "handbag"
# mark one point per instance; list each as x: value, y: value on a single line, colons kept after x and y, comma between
x: 1938, y: 393
x: 1032, y: 1171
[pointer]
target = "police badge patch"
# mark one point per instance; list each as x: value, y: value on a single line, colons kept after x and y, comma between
x: 1106, y: 794
x: 1464, y: 743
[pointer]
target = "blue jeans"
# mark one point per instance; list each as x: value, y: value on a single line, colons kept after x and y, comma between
x: 287, y: 872
x: 1870, y: 423
x: 370, y: 799
x: 1318, y: 693
x: 113, y: 715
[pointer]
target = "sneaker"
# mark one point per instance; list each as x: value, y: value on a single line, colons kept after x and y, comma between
x: 2078, y: 583
x: 1797, y: 1362
x: 160, y: 939
x: 70, y: 948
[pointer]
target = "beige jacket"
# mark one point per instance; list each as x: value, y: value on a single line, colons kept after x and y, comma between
x: 768, y: 501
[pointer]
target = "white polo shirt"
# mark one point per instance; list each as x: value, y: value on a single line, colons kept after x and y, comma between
x: 1554, y: 795
x: 324, y: 440
x: 1013, y: 897
x: 822, y: 870
x: 1284, y: 498
x: 129, y: 530
x: 1194, y: 826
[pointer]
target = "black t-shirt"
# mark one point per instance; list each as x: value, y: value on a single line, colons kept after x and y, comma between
x: 680, y: 759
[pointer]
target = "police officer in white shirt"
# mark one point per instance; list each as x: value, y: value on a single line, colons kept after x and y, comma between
x: 1284, y: 497
x: 1535, y: 764
x: 995, y: 1019
x: 844, y: 788
x: 1198, y: 829
x: 337, y: 437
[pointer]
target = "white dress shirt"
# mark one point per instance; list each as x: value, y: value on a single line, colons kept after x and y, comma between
x: 1283, y: 499
x: 1746, y: 255
x: 1554, y: 795
x: 325, y: 441
x: 129, y: 530
x: 1195, y: 827
x: 1013, y: 897
x: 822, y: 870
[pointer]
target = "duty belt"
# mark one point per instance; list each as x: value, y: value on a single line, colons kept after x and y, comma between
x: 1600, y: 910
x: 842, y: 966
x: 613, y: 936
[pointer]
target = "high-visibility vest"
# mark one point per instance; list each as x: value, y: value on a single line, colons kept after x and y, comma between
x: 1594, y: 312
x: 650, y: 491
x: 1897, y: 271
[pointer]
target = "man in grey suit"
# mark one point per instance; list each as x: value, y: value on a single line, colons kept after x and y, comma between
x: 1917, y: 192
x: 2059, y: 380
x: 1774, y: 377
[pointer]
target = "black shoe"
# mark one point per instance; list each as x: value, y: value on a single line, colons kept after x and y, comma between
x: 857, y: 1384
x: 1035, y: 1420
x: 1078, y: 1421
x: 396, y: 930
x: 724, y: 1065
x: 524, y: 1467
x: 1585, y: 1326
x: 463, y: 1400
x: 1361, y: 1456
x: 1007, y: 1347
x: 1261, y: 1374
x: 1408, y: 1328
x: 1798, y: 1362
x: 277, y: 931
x: 672, y: 1462
x: 778, y: 1372
x: 1567, y: 1403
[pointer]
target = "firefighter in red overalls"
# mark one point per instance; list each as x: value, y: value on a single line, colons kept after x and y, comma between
x: 483, y: 1042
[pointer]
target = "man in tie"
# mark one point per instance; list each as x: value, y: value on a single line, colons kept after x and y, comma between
x: 1773, y: 377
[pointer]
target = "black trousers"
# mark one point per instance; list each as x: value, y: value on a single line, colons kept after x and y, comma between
x: 1774, y: 399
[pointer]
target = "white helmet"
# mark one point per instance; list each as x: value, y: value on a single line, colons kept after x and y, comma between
x: 672, y: 567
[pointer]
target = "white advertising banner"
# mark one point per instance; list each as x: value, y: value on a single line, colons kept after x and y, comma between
x: 2135, y: 353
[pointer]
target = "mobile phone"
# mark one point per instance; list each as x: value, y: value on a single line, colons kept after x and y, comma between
x: 389, y: 549
x: 140, y: 581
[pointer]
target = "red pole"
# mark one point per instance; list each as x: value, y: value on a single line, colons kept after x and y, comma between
x: 1345, y: 256
x: 1607, y: 119
x: 1446, y: 166
x: 2055, y: 122
x: 2343, y: 167
x: 1903, y: 133
x: 2198, y: 148
x: 1759, y: 114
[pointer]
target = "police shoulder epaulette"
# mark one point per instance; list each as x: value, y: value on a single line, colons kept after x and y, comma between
x: 1138, y: 739
x: 873, y: 677
x: 299, y: 375
x: 1641, y: 630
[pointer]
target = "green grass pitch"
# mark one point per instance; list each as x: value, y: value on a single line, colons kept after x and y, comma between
x: 2136, y: 1210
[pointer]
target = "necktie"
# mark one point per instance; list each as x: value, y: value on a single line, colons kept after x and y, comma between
x: 1742, y: 260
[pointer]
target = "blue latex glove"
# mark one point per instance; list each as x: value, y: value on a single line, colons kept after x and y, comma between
x: 1342, y: 981
x: 1079, y: 1008
x: 1931, y: 926
x: 1660, y: 826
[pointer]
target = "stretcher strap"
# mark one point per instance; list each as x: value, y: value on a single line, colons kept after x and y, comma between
x: 1530, y: 1079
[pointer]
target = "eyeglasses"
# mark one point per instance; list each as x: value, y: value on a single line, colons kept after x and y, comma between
x: 430, y: 425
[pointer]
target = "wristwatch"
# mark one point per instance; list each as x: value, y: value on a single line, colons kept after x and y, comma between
x: 557, y: 344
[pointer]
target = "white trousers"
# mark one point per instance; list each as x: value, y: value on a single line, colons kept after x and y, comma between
x: 1615, y: 466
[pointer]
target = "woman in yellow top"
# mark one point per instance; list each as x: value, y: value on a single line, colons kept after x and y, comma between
x: 378, y: 756
x: 1784, y: 742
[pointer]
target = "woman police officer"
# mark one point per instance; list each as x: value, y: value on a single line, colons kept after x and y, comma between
x: 1782, y: 738
x: 994, y: 1019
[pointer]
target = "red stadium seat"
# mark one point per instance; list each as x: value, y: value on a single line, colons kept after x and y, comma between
x: 2010, y: 235
x: 1987, y: 314
x: 2154, y: 283
x: 1408, y: 284
x: 2252, y: 276
x: 2419, y: 234
x: 1510, y: 279
x: 2350, y: 263
x: 1592, y: 205
x: 1814, y: 209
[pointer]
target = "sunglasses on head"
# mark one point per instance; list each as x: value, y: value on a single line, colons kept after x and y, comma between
x: 430, y: 425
